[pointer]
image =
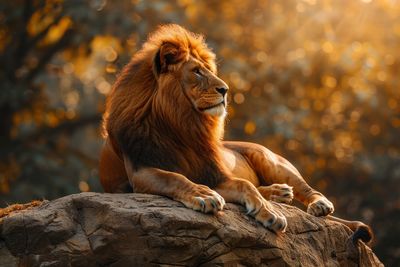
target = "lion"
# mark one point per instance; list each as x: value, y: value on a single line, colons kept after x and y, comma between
x: 163, y: 129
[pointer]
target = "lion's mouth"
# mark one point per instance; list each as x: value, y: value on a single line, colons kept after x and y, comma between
x: 216, y: 110
x: 213, y: 106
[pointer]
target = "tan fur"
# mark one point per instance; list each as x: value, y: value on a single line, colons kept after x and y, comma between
x: 164, y: 125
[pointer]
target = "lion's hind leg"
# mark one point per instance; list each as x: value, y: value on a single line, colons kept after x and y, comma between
x: 245, y: 193
x: 282, y: 193
x: 274, y: 169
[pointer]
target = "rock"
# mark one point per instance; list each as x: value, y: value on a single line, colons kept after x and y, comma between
x: 93, y: 229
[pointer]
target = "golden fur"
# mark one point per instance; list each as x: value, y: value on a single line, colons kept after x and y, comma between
x: 164, y: 125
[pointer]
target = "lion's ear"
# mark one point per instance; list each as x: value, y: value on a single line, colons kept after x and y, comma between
x: 168, y: 54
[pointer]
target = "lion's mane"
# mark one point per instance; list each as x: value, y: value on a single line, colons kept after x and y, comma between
x: 160, y: 128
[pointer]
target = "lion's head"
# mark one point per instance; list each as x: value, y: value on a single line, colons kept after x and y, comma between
x: 173, y: 76
x: 184, y: 59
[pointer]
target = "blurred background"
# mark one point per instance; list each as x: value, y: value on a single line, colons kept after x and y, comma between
x: 315, y: 81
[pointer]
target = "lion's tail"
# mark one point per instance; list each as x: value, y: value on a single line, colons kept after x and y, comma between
x: 361, y: 230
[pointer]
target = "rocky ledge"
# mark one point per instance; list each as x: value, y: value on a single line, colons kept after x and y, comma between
x: 93, y: 229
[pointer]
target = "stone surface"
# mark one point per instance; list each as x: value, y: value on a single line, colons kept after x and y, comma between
x: 93, y: 229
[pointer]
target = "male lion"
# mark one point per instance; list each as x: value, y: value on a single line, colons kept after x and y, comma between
x: 164, y: 124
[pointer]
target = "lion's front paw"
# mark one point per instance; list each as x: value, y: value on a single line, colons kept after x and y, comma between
x: 277, y: 192
x: 264, y: 213
x: 203, y: 199
x: 320, y: 207
x: 272, y: 220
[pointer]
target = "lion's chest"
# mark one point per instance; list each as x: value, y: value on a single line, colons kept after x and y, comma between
x: 239, y: 166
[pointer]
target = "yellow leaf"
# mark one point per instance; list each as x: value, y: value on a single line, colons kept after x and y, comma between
x: 250, y: 127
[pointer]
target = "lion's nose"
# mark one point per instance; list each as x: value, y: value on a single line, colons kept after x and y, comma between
x: 222, y: 90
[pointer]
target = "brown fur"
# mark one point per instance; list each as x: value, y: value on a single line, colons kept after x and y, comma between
x: 144, y: 120
x: 164, y: 126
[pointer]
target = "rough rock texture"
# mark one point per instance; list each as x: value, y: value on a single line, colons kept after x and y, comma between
x: 92, y: 229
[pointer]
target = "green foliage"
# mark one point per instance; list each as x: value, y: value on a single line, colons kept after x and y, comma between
x: 315, y: 81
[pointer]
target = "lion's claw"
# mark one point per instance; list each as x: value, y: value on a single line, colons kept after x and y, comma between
x: 252, y: 211
x: 320, y: 207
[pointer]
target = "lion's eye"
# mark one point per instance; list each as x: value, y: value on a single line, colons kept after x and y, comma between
x: 197, y: 71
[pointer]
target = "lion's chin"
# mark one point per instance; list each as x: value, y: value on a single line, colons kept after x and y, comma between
x: 216, y: 111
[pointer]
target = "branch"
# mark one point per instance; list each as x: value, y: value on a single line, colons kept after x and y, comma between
x: 60, y: 44
x: 68, y: 126
x: 34, y: 40
x: 47, y: 132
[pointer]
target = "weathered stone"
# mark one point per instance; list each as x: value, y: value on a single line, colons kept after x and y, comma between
x: 93, y: 229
